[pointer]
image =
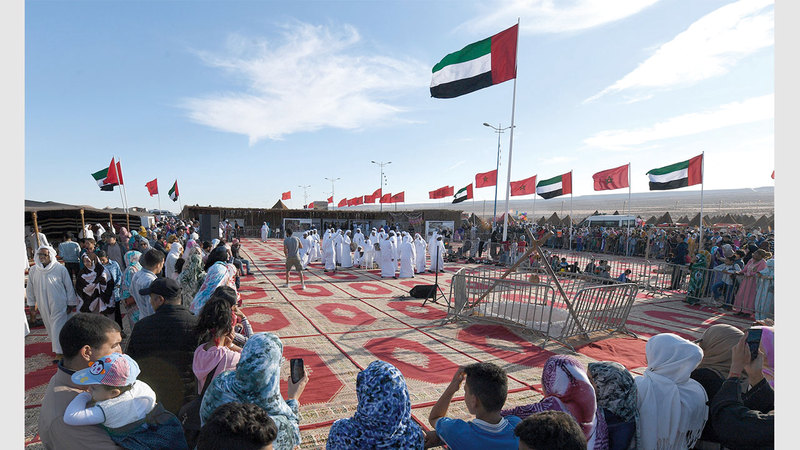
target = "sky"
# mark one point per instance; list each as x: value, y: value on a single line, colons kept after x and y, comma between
x: 241, y: 101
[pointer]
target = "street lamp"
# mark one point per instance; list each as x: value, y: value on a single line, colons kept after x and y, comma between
x: 381, y: 164
x: 499, y: 130
x: 305, y: 194
x: 332, y: 180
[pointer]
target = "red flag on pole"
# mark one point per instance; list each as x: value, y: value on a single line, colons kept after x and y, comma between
x: 359, y: 200
x: 152, y: 187
x: 286, y: 195
x: 616, y: 178
x: 330, y: 199
x: 524, y: 187
x: 486, y: 179
x: 311, y: 205
x: 399, y: 198
x: 386, y: 198
x: 442, y: 192
x: 119, y: 173
x: 342, y: 202
x: 377, y: 194
x: 773, y: 174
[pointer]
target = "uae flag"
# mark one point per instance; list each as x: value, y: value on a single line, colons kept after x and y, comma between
x: 486, y: 179
x: 173, y: 192
x: 555, y: 186
x: 476, y: 66
x: 678, y: 175
x: 464, y: 193
x: 107, y: 178
x: 616, y: 178
x: 442, y: 192
x: 152, y: 187
x: 286, y: 195
x: 399, y: 198
x: 342, y: 203
x: 524, y: 187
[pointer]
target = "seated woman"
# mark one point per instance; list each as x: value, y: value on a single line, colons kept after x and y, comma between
x: 219, y: 272
x: 217, y: 352
x: 717, y: 342
x: 616, y: 398
x: 383, y: 418
x: 672, y: 406
x: 567, y: 388
x: 738, y: 425
x: 241, y: 326
x: 256, y: 380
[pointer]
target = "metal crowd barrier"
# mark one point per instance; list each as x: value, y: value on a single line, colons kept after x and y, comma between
x: 531, y: 304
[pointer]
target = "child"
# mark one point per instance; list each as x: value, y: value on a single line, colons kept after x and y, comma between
x: 485, y: 393
x: 125, y: 407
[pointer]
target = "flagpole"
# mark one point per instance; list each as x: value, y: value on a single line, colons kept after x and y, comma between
x: 570, y: 211
x: 702, y: 181
x: 629, y: 207
x: 511, y: 138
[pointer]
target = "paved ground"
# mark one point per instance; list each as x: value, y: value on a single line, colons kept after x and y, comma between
x: 344, y: 321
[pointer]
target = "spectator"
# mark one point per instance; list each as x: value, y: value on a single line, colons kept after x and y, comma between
x: 69, y: 251
x: 238, y: 261
x: 241, y: 426
x: 95, y: 286
x: 152, y: 263
x: 126, y: 298
x: 485, y: 393
x: 115, y: 272
x: 383, y: 416
x: 167, y: 368
x: 121, y: 404
x: 114, y: 249
x: 623, y: 277
x: 256, y: 380
x: 33, y: 244
x: 219, y: 272
x: 616, y: 395
x: 241, y: 325
x: 217, y: 352
x: 727, y: 269
x: 672, y: 406
x: 50, y: 291
x: 191, y: 278
x: 550, y: 430
x: 698, y: 278
x: 765, y: 291
x: 567, y: 388
x: 84, y: 338
x: 744, y: 303
x: 172, y: 257
x: 738, y: 425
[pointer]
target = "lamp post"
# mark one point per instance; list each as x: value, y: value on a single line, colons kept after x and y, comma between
x: 305, y: 194
x: 499, y: 130
x: 332, y: 180
x: 381, y: 164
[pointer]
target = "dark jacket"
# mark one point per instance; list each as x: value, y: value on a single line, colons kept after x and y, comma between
x: 738, y: 426
x: 163, y: 345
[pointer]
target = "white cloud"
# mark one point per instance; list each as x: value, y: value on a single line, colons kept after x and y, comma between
x: 314, y: 77
x: 550, y: 16
x: 736, y: 113
x: 708, y: 48
x: 458, y: 164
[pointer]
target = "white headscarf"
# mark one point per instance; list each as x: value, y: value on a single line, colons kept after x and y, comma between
x: 53, y: 261
x: 672, y: 406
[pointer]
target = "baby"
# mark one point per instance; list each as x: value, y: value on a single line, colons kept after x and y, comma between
x: 125, y: 407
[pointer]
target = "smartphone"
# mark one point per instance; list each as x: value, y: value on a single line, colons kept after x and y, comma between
x: 298, y: 372
x: 753, y: 341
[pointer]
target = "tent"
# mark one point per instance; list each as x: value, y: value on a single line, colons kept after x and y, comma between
x: 541, y: 221
x: 554, y: 220
x: 695, y: 222
x: 652, y: 220
x: 666, y: 218
x: 279, y: 205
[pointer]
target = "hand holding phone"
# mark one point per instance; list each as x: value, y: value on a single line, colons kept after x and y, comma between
x: 297, y: 369
x: 754, y: 341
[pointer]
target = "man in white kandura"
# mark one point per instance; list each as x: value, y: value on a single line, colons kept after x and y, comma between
x: 264, y: 232
x: 347, y: 258
x: 358, y: 238
x: 387, y: 262
x: 329, y: 252
x: 420, y: 246
x: 407, y: 256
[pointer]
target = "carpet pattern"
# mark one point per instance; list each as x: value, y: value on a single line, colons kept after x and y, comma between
x: 343, y: 321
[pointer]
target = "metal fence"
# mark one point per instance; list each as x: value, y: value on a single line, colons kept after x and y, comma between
x: 527, y: 299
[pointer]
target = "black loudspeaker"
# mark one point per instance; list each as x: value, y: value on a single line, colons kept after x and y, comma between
x: 423, y: 291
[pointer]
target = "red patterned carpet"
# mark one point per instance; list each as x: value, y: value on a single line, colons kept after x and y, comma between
x: 344, y: 321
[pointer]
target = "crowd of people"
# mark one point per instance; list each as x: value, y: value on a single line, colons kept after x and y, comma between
x: 193, y: 374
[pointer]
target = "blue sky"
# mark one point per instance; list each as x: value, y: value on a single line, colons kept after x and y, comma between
x: 240, y: 101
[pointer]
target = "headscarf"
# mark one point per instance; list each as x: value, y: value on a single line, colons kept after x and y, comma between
x: 53, y: 262
x: 383, y: 417
x: 218, y: 274
x: 564, y: 378
x: 256, y: 379
x: 94, y: 285
x: 191, y: 278
x: 768, y: 345
x: 214, y: 243
x: 143, y: 231
x: 191, y: 245
x: 672, y: 406
x: 615, y: 390
x: 131, y: 267
x: 717, y: 342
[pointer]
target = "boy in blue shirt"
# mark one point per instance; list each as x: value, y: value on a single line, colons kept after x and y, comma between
x: 485, y: 393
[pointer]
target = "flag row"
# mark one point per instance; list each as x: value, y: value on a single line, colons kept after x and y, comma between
x: 111, y: 176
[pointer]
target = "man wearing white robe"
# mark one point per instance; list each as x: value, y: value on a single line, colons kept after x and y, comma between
x: 432, y: 248
x: 317, y: 254
x: 395, y: 245
x: 438, y: 250
x: 264, y: 232
x: 338, y: 240
x: 51, y: 291
x: 347, y: 258
x: 329, y: 252
x: 358, y: 238
x: 419, y: 248
x: 407, y: 256
x: 370, y: 254
x: 387, y: 261
x: 98, y: 233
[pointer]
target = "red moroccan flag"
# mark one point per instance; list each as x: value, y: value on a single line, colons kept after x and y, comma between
x: 486, y: 179
x: 524, y: 187
x: 286, y: 195
x: 773, y: 176
x: 311, y: 205
x: 152, y: 187
x: 359, y: 200
x: 377, y: 194
x: 399, y: 198
x: 386, y: 198
x: 442, y: 192
x: 368, y: 199
x: 330, y: 199
x: 342, y: 202
x: 616, y: 178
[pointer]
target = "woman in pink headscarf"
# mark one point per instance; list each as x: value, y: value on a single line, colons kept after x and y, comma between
x: 567, y: 388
